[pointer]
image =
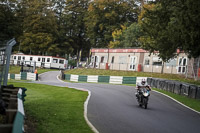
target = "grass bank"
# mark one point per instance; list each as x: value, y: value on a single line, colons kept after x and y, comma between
x: 51, y: 109
x: 130, y: 73
x: 16, y: 70
x: 192, y: 103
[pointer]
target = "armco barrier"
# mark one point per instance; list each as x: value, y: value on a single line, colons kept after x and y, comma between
x: 104, y: 79
x: 129, y: 80
x: 116, y: 79
x: 82, y: 78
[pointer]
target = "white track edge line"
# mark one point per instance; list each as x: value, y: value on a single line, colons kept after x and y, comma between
x: 177, y: 101
x: 85, y: 107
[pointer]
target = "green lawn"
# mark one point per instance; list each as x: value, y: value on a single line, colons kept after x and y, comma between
x: 16, y: 70
x: 192, y: 103
x: 54, y: 109
x: 130, y: 73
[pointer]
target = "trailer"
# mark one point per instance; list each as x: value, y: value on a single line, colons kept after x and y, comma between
x: 39, y: 61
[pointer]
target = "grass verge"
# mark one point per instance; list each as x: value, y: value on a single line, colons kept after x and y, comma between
x: 16, y: 70
x: 83, y: 71
x: 192, y: 103
x: 54, y: 109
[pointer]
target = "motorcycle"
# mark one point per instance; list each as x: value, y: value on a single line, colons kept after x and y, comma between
x: 143, y: 96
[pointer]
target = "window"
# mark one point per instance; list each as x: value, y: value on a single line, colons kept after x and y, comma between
x: 19, y: 57
x: 48, y: 59
x: 31, y: 58
x: 113, y: 58
x: 102, y: 58
x: 23, y: 58
x: 122, y: 59
x: 61, y: 61
x: 171, y: 62
x: 157, y: 61
x: 55, y: 60
x: 43, y: 59
x: 39, y: 59
x: 14, y: 57
x: 147, y: 61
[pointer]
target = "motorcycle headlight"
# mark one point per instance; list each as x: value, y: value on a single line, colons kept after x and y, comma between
x: 146, y: 94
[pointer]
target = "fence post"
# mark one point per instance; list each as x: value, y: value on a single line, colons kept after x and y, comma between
x: 10, y: 44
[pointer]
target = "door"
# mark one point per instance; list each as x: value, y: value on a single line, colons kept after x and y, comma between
x: 96, y: 62
x: 133, y: 62
x: 182, y: 64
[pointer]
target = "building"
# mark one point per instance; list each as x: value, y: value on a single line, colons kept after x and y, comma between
x: 140, y: 60
x: 40, y: 61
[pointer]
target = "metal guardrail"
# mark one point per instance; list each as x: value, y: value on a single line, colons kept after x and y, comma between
x: 5, y: 53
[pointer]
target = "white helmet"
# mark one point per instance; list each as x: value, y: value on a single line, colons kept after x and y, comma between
x: 143, y: 81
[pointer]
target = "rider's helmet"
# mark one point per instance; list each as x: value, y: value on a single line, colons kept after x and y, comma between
x: 143, y: 81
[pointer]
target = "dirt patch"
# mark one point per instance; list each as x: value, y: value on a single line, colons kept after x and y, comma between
x: 29, y: 125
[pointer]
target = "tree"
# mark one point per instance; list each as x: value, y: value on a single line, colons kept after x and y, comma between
x: 8, y: 20
x: 74, y: 14
x: 39, y: 28
x: 172, y: 25
x: 106, y: 16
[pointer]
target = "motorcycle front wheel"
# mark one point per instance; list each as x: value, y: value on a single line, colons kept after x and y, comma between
x: 145, y: 103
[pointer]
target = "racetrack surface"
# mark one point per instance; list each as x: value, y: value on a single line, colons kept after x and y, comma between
x: 114, y: 109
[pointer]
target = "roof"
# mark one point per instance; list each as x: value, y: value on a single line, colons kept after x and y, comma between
x: 125, y: 50
x: 21, y: 54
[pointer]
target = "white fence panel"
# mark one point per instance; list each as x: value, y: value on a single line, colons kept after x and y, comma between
x: 9, y: 76
x: 31, y: 76
x: 17, y: 76
x: 92, y: 78
x: 116, y: 79
x: 74, y: 78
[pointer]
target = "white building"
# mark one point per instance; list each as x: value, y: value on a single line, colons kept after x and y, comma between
x: 40, y: 61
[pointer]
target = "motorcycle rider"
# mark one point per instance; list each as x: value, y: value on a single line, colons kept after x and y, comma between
x: 141, y: 84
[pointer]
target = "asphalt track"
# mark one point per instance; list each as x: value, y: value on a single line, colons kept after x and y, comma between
x: 114, y: 109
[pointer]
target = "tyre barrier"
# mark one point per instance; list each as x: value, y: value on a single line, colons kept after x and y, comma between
x: 13, y: 98
x: 181, y: 88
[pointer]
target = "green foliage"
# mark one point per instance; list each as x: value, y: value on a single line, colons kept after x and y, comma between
x: 129, y: 37
x: 39, y: 27
x: 8, y: 20
x: 172, y: 25
x: 106, y: 16
x: 72, y: 62
x: 75, y: 30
